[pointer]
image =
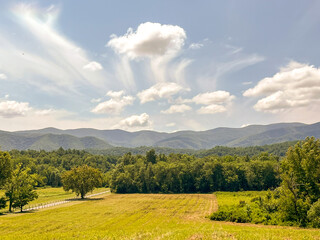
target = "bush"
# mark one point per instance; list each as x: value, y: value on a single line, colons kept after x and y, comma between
x: 314, y: 214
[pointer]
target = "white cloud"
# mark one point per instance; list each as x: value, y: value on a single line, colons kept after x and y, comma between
x: 172, y: 124
x: 136, y: 121
x: 295, y: 86
x: 217, y: 97
x: 13, y: 109
x: 10, y: 109
x: 3, y: 76
x: 149, y: 40
x: 46, y: 58
x: 93, y: 66
x: 195, y: 46
x: 160, y: 90
x: 96, y: 100
x: 177, y: 109
x: 114, y: 94
x: 212, y: 109
x: 114, y: 105
x: 44, y: 112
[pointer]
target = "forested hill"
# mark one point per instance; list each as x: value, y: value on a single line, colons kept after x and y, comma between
x: 49, y: 142
x: 85, y: 138
x: 277, y: 149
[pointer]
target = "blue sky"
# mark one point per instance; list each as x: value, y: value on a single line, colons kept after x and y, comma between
x: 159, y: 65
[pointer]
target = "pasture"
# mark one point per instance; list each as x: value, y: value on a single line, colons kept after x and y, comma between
x: 138, y: 216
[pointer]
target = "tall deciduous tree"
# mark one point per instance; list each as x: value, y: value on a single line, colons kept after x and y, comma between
x: 5, y: 167
x: 300, y: 179
x: 5, y: 172
x: 20, y: 188
x: 82, y: 180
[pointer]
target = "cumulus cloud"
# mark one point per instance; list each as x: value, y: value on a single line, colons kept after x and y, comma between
x: 114, y: 94
x: 177, y: 109
x: 14, y: 109
x: 3, y: 76
x: 136, y: 121
x: 294, y: 86
x: 93, y: 66
x: 160, y: 90
x: 212, y: 109
x: 149, y: 40
x: 217, y: 97
x: 10, y: 109
x: 114, y: 105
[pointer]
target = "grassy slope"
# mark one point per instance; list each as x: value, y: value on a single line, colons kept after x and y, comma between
x: 139, y: 216
x: 49, y: 194
x: 233, y: 198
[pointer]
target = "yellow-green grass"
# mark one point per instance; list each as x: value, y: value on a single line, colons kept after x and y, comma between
x: 50, y: 194
x: 139, y: 216
x: 233, y: 198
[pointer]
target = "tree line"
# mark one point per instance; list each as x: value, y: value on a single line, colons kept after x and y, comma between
x: 181, y: 173
x: 297, y: 199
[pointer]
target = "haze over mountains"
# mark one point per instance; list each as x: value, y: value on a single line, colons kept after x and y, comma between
x: 86, y: 138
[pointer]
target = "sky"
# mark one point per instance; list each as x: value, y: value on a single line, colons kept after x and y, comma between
x: 158, y: 65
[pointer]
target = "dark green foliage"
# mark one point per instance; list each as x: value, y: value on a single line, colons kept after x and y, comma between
x: 258, y: 210
x: 277, y: 149
x: 314, y: 214
x: 300, y: 186
x: 82, y: 180
x: 50, y: 165
x: 179, y: 173
x: 20, y: 188
x: 296, y: 201
x: 5, y: 167
x: 3, y: 202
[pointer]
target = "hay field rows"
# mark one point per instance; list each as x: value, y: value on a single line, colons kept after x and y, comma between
x: 138, y: 216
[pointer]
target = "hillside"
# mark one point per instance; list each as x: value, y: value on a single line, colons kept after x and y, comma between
x: 49, y: 142
x: 87, y: 138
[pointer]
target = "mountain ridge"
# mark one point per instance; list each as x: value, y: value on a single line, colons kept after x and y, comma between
x: 90, y: 138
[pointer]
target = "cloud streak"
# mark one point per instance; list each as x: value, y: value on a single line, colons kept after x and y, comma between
x: 49, y: 60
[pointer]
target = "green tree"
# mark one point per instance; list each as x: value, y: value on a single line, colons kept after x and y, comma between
x: 151, y: 156
x: 5, y: 167
x: 82, y: 180
x: 300, y: 180
x: 5, y: 172
x: 20, y: 188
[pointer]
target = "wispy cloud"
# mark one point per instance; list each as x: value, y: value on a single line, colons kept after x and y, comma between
x: 50, y: 61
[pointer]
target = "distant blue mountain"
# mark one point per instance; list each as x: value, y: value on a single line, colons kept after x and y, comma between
x: 87, y: 138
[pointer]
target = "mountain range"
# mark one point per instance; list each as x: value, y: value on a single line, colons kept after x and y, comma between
x: 87, y: 138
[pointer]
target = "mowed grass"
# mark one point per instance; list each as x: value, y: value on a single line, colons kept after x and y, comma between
x: 233, y: 198
x: 50, y: 194
x: 139, y: 216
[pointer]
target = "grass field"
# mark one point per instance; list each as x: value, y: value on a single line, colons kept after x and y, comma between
x: 49, y: 194
x: 139, y: 216
x: 233, y: 198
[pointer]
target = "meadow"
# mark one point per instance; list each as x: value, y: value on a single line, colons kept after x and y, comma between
x: 49, y: 195
x: 141, y: 216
